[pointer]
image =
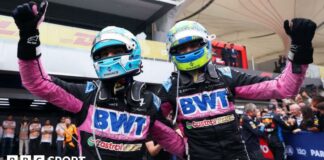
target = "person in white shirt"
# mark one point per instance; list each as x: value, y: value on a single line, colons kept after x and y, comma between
x: 46, y: 139
x: 34, y: 136
x: 9, y: 127
x: 295, y: 111
x: 60, y: 129
x: 23, y: 137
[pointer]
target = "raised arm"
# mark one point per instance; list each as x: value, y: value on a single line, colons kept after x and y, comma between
x: 301, y: 32
x: 36, y: 81
x: 27, y: 18
x: 285, y: 85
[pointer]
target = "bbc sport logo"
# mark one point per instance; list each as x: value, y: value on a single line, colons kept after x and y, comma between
x: 42, y: 157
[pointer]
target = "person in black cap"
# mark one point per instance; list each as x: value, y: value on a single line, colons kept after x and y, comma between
x: 274, y: 125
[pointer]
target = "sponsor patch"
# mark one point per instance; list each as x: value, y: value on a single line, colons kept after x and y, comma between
x: 203, y: 102
x: 90, y: 87
x: 156, y: 101
x: 117, y: 122
x: 226, y: 71
x: 114, y: 146
x: 210, y: 122
x: 167, y: 84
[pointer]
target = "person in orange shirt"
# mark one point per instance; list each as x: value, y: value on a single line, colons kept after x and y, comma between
x: 71, y: 137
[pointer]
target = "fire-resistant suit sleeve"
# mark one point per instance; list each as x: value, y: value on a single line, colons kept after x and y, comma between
x: 62, y: 94
x: 168, y: 139
x: 287, y: 84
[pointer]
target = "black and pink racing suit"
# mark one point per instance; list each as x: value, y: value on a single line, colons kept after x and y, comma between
x: 117, y: 126
x: 206, y: 111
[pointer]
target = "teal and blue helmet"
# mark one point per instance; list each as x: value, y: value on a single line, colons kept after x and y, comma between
x: 122, y: 64
x: 185, y: 32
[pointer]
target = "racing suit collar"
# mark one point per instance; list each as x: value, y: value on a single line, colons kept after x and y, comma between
x: 194, y: 76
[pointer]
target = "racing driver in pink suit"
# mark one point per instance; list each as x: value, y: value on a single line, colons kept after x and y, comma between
x: 115, y: 114
x: 201, y: 95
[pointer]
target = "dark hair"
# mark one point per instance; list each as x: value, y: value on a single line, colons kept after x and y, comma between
x: 68, y: 118
x: 320, y: 106
x: 318, y: 99
x: 35, y: 120
x: 307, y: 113
x: 263, y: 112
x: 24, y: 119
x: 272, y: 107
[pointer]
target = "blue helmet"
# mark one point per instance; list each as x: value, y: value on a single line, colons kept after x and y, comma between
x: 128, y: 63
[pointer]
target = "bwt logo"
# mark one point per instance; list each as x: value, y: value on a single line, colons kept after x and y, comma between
x: 119, y: 122
x: 42, y: 157
x: 204, y: 102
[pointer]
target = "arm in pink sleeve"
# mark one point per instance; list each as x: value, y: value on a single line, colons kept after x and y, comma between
x: 285, y: 85
x: 39, y: 83
x: 168, y: 139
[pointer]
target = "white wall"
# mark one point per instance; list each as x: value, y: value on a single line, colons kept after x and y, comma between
x: 73, y: 62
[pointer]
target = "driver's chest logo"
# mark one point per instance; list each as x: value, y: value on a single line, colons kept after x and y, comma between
x: 118, y: 122
x: 203, y: 102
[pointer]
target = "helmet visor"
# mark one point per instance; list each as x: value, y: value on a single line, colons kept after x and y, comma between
x: 187, y: 47
x: 110, y: 52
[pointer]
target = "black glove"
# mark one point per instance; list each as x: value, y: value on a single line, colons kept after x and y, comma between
x: 27, y: 18
x: 301, y: 32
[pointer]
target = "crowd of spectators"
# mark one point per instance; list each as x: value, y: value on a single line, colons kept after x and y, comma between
x: 304, y: 113
x: 35, y: 138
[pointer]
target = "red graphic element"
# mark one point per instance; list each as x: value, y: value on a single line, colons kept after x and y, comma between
x: 3, y: 28
x: 265, y: 149
x: 241, y: 58
x: 83, y: 39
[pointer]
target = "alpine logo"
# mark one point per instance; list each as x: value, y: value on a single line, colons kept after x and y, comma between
x: 33, y: 40
x: 204, y: 102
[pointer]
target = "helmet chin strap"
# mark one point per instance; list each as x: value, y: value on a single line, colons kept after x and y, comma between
x: 118, y: 84
x: 198, y: 75
x: 93, y: 120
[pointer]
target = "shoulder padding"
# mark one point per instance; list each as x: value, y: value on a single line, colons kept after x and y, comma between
x: 226, y: 71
